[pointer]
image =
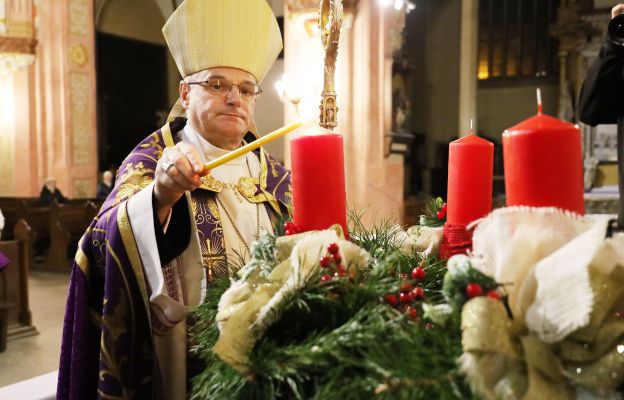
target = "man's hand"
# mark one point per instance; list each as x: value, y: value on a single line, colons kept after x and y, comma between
x: 617, y: 10
x: 178, y: 170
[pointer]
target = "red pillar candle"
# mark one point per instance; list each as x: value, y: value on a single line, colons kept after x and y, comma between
x: 318, y: 181
x: 470, y: 175
x: 544, y: 164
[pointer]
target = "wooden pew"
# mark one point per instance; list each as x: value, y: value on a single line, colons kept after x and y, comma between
x: 14, y: 283
x: 13, y: 209
x: 55, y: 229
x: 68, y: 223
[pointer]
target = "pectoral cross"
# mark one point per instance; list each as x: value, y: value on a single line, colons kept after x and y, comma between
x: 213, y: 263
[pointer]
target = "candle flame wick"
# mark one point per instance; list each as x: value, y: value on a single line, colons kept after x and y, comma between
x: 471, y: 127
x: 539, y: 101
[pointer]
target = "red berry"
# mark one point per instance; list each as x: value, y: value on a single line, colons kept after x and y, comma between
x: 288, y: 232
x: 297, y: 229
x: 405, y: 287
x: 404, y: 298
x: 419, y: 273
x: 333, y: 248
x: 473, y: 290
x: 342, y: 271
x: 288, y: 225
x: 418, y: 293
x: 391, y: 299
x: 493, y: 294
x: 428, y: 326
x: 443, y: 207
x: 440, y: 214
x: 412, y: 312
x: 325, y: 262
x: 403, y: 276
x: 325, y: 278
x: 337, y: 258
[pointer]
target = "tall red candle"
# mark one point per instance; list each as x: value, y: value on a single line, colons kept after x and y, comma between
x: 318, y: 181
x: 470, y: 175
x: 544, y: 164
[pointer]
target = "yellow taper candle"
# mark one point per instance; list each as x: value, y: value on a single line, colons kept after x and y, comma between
x: 253, y: 145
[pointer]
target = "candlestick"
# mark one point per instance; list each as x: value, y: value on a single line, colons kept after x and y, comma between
x: 252, y: 146
x: 544, y: 164
x: 318, y: 181
x: 470, y: 175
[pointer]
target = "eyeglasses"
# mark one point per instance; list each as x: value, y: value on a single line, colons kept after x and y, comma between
x: 223, y: 86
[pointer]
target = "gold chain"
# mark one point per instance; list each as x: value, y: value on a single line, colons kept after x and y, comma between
x: 234, y: 225
x: 236, y: 194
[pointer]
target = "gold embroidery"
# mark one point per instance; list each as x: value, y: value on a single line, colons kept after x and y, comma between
x: 213, y: 208
x: 167, y: 136
x: 208, y: 182
x: 111, y: 364
x: 247, y: 186
x: 273, y: 167
x: 133, y: 180
x: 137, y: 155
x: 82, y: 261
x: 95, y: 318
x: 263, y: 169
x: 154, y: 144
x: 133, y: 253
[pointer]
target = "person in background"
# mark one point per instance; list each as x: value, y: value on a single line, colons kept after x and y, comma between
x: 50, y: 193
x: 602, y: 96
x: 106, y: 186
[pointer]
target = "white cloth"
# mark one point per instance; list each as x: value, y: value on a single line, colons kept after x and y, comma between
x: 545, y: 256
x: 243, y: 213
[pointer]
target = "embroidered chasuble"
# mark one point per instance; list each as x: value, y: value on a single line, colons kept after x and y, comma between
x: 124, y: 333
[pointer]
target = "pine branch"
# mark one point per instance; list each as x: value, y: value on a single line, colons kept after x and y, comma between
x: 340, y: 339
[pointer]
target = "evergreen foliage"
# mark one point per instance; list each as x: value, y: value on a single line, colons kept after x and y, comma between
x: 340, y: 339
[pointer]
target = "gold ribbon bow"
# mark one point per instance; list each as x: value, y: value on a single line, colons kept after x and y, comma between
x: 502, y: 359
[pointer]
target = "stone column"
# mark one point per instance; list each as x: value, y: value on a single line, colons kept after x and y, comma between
x: 66, y: 96
x: 468, y: 66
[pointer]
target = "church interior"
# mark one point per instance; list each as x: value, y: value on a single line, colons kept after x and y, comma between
x: 83, y: 81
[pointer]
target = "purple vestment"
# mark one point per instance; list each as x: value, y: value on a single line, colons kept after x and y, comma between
x: 108, y: 348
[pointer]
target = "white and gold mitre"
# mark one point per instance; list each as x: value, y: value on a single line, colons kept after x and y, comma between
x: 241, y: 34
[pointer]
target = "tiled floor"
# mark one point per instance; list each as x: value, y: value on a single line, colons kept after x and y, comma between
x: 36, y: 355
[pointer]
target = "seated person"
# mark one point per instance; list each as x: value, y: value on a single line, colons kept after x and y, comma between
x: 106, y: 186
x: 50, y: 193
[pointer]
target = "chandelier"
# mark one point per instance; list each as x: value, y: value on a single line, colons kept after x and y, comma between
x: 17, y: 35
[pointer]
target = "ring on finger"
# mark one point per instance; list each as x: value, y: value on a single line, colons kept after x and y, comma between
x: 166, y: 165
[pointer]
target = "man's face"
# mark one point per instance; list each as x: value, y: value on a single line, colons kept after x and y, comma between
x: 51, y: 185
x: 222, y: 119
